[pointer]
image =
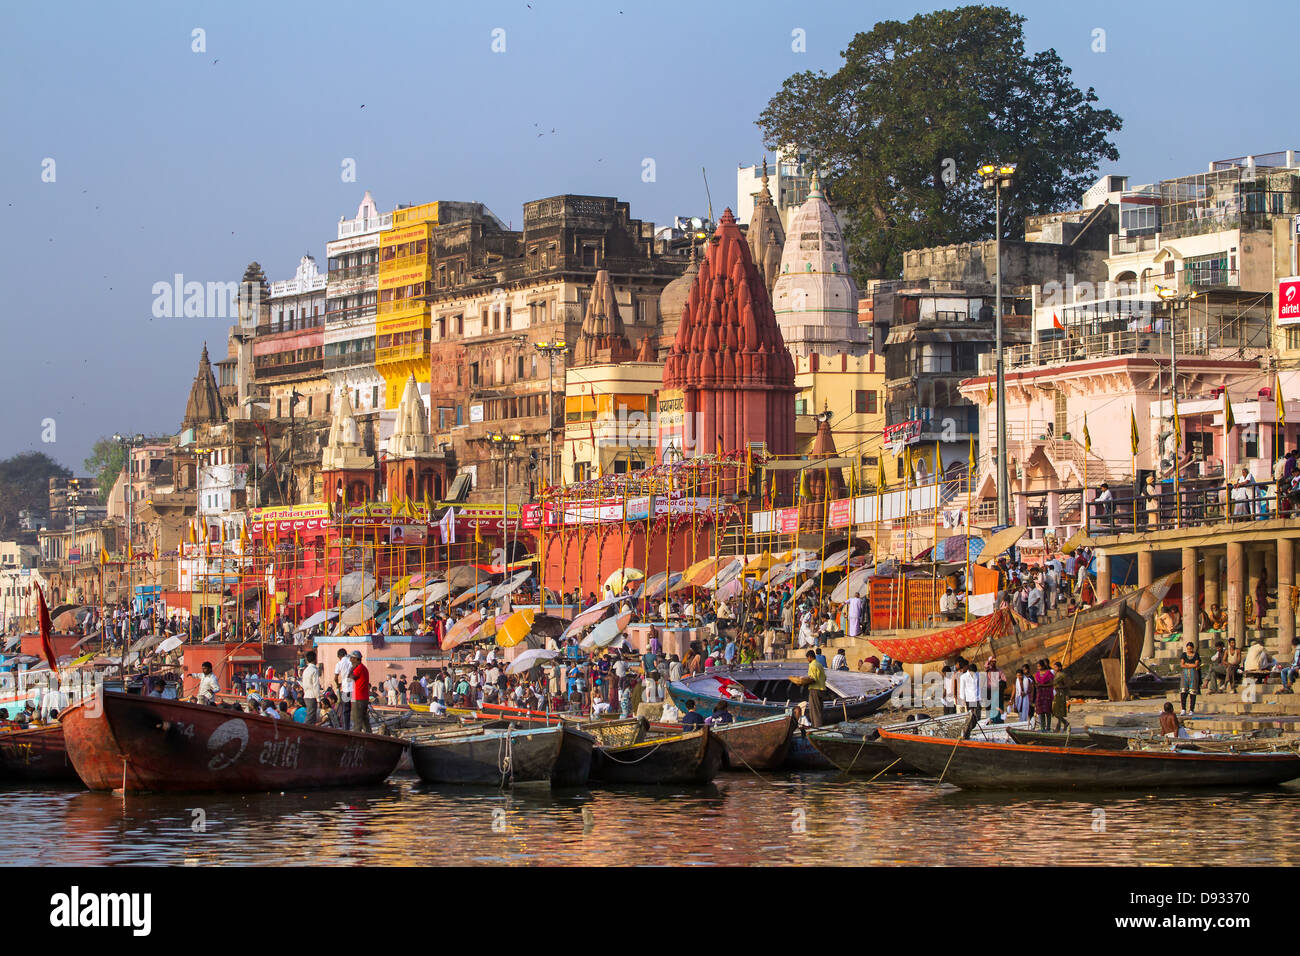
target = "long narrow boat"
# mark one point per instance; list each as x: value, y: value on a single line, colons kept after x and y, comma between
x: 38, y: 753
x: 1081, y: 642
x: 482, y: 757
x: 765, y: 689
x: 694, y: 757
x: 147, y: 743
x: 760, y: 744
x: 984, y: 765
x: 803, y: 756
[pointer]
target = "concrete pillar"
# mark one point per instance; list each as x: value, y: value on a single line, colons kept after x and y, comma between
x: 1254, y: 571
x: 1191, y: 597
x: 1103, y: 577
x: 1236, y: 604
x: 1212, y: 570
x: 1144, y: 560
x: 1285, y: 576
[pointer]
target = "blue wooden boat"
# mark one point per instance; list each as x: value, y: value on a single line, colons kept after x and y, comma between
x: 768, y: 691
x: 480, y: 757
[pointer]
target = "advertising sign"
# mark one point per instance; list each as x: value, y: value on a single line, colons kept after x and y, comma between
x: 1288, y: 301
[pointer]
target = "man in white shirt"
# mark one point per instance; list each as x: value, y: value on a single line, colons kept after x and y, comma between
x: 674, y: 668
x: 855, y: 616
x: 208, y: 686
x: 968, y: 688
x: 343, y: 683
x: 839, y: 662
x: 652, y: 689
x: 311, y: 687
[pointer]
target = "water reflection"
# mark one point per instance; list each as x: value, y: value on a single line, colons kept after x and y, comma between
x: 803, y: 819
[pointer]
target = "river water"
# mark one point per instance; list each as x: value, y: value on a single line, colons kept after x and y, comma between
x: 740, y: 819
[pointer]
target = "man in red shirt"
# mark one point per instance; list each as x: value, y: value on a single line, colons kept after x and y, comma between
x: 360, y: 694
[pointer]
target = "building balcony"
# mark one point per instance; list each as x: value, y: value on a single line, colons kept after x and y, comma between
x: 402, y: 353
x: 402, y: 309
x: 290, y: 370
x: 1106, y: 345
x: 350, y: 360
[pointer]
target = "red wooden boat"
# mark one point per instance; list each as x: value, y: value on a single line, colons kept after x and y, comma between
x: 148, y: 743
x: 37, y: 753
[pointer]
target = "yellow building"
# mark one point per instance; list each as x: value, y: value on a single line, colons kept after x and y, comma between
x: 610, y: 412
x: 852, y: 388
x: 402, y: 315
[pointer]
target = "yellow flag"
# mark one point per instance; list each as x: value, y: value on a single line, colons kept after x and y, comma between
x: 478, y: 535
x: 130, y: 552
x: 907, y: 466
x: 223, y: 532
x: 243, y: 537
x: 1228, y: 421
x: 880, y: 473
x: 1133, y: 430
x: 1281, y: 408
x: 990, y: 395
x: 803, y: 484
x: 970, y: 459
x: 103, y: 556
x: 155, y: 549
x: 193, y: 537
x: 1178, y: 428
x: 1087, y: 436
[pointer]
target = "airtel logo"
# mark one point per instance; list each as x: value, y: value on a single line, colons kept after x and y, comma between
x: 1290, y: 293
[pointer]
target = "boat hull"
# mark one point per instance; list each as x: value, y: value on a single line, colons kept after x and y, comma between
x: 981, y: 765
x: 1096, y: 636
x: 150, y: 744
x: 833, y: 711
x: 689, y: 758
x: 851, y: 754
x: 491, y: 758
x: 1083, y: 739
x: 760, y: 744
x: 802, y: 755
x: 40, y: 753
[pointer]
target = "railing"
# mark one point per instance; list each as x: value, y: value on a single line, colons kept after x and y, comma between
x: 359, y: 227
x: 1194, y: 503
x: 1103, y: 345
x: 350, y: 359
x: 264, y: 372
x: 402, y: 353
x: 300, y: 324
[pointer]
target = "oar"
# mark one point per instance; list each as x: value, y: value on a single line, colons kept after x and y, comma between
x: 1068, y: 646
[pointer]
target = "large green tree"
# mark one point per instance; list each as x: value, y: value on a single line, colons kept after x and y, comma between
x: 901, y: 128
x: 106, y: 461
x: 25, y: 485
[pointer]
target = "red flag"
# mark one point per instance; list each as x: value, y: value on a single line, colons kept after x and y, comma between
x: 1056, y: 323
x: 43, y: 615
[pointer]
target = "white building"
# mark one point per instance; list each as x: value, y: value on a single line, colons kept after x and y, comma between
x: 790, y: 178
x: 351, y: 296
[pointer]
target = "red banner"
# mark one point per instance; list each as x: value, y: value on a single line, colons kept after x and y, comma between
x: 841, y: 512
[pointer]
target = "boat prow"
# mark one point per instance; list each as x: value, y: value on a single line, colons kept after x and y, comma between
x: 129, y: 742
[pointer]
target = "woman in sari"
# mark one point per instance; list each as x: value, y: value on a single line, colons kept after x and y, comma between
x: 1043, y: 695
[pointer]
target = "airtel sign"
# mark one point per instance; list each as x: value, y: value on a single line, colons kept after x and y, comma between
x: 1288, y: 301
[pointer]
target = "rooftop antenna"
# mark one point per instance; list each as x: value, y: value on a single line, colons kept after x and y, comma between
x: 705, y: 174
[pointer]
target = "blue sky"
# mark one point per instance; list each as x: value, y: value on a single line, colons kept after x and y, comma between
x: 171, y: 161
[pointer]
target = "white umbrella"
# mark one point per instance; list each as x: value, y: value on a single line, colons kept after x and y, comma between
x: 320, y: 617
x: 356, y: 585
x: 835, y: 560
x: 607, y: 632
x: 506, y: 588
x: 657, y: 583
x: 471, y: 594
x: 170, y: 645
x: 852, y: 585
x: 530, y: 658
x: 591, y: 615
x: 358, y: 613
x: 436, y: 591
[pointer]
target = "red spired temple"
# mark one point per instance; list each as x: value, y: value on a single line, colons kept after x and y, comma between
x: 729, y: 361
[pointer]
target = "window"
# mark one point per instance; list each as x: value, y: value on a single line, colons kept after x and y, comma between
x: 374, y: 397
x: 473, y: 373
x: 864, y: 402
x: 1060, y: 423
x: 519, y: 367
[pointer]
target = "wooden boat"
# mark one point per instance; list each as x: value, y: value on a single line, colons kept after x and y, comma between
x: 803, y: 756
x: 38, y: 753
x: 853, y: 747
x: 760, y: 744
x: 148, y: 743
x: 987, y: 765
x: 765, y: 689
x: 944, y: 644
x: 1113, y: 630
x: 483, y: 757
x: 1083, y: 739
x: 694, y: 757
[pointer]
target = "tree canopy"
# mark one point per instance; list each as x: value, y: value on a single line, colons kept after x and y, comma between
x: 25, y: 485
x: 106, y: 461
x: 901, y: 128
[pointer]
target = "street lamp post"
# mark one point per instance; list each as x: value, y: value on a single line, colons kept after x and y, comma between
x: 507, y: 445
x: 550, y: 349
x: 997, y: 176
